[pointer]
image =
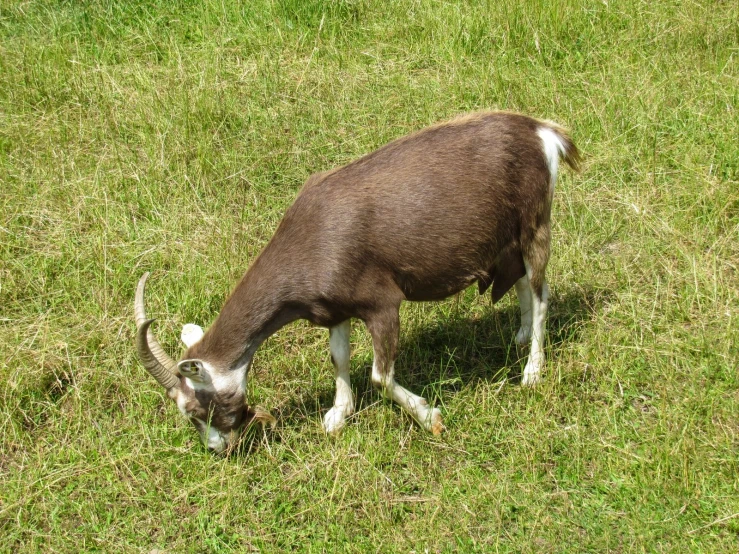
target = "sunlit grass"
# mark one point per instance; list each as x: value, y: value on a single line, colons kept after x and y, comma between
x: 171, y: 136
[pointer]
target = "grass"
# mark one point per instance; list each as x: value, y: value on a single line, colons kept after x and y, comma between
x: 171, y: 136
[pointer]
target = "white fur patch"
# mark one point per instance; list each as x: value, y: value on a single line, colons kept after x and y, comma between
x: 213, y: 380
x: 532, y: 370
x: 427, y: 417
x: 215, y: 440
x: 233, y: 379
x: 335, y: 418
x: 553, y: 149
x: 191, y: 334
x: 212, y: 438
x: 181, y: 401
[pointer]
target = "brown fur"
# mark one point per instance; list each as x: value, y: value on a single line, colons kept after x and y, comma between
x: 419, y: 219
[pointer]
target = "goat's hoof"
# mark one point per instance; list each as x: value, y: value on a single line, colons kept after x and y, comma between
x: 335, y: 420
x: 530, y: 377
x: 523, y: 337
x: 436, y: 426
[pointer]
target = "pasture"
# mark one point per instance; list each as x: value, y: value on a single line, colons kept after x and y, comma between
x: 171, y: 136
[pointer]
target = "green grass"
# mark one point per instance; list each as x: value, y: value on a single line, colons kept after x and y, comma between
x: 170, y: 137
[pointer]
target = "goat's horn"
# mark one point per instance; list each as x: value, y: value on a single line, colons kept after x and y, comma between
x: 152, y: 355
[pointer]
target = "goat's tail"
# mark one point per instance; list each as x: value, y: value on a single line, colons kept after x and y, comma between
x: 558, y: 146
x: 569, y: 153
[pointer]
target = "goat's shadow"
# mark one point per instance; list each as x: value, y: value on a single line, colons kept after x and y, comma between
x: 443, y: 356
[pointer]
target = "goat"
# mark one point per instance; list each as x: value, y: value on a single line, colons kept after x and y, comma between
x: 420, y: 219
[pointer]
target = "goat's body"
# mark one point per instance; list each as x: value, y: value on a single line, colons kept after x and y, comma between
x: 419, y: 219
x: 411, y: 214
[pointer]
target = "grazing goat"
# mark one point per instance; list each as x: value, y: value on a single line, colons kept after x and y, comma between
x: 421, y: 218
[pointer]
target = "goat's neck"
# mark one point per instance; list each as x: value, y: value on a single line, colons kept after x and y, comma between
x: 256, y: 309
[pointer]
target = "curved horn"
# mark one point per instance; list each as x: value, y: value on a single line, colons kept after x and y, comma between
x: 152, y: 355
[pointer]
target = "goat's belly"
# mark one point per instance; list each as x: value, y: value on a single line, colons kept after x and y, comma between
x: 437, y: 281
x: 437, y: 287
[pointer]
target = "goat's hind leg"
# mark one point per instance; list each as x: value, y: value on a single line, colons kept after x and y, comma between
x: 535, y: 261
x: 535, y: 364
x: 384, y: 328
x: 525, y: 301
x: 335, y: 418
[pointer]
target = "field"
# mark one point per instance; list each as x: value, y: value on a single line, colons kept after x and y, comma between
x: 171, y: 136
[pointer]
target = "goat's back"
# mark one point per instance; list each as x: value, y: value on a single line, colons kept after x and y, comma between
x: 434, y: 209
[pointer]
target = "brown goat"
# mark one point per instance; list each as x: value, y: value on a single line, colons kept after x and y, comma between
x: 421, y: 218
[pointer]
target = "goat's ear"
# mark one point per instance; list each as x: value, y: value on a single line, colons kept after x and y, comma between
x: 194, y: 370
x: 260, y: 415
x: 191, y: 334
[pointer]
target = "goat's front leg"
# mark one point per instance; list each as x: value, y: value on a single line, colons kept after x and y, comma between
x: 384, y: 328
x: 335, y: 418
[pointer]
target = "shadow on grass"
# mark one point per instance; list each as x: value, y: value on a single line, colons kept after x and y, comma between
x: 440, y: 357
x: 464, y: 349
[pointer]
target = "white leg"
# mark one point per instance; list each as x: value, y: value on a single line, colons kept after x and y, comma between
x: 523, y: 291
x: 416, y: 406
x: 335, y: 418
x: 532, y: 371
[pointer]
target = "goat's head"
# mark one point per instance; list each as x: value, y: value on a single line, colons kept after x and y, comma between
x: 211, y: 397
